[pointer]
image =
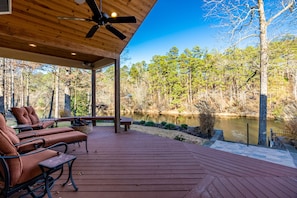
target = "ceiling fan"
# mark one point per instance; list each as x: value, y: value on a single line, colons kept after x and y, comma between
x: 102, y: 19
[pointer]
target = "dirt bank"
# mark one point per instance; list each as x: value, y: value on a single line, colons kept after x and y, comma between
x: 168, y: 134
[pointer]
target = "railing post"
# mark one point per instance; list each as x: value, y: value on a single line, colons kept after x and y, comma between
x: 247, y: 134
x: 271, y: 142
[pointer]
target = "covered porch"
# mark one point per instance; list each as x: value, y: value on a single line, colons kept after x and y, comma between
x: 133, y: 164
x: 34, y: 31
x: 129, y: 164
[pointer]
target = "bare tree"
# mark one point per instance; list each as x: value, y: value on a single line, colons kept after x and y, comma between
x: 248, y: 19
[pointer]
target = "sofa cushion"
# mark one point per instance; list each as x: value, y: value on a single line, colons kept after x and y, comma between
x: 15, y: 165
x: 26, y: 134
x: 50, y: 131
x: 2, y: 123
x: 10, y: 132
x: 21, y: 115
x: 67, y: 137
x: 30, y: 164
x: 12, y: 135
x: 47, y: 123
x: 6, y: 145
x: 32, y: 114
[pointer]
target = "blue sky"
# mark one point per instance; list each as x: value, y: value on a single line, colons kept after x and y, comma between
x: 172, y: 23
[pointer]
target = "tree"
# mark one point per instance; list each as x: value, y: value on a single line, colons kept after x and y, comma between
x: 247, y: 19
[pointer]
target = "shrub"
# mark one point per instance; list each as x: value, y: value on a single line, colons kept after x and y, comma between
x: 184, y: 126
x: 179, y: 138
x: 142, y: 122
x: 163, y: 123
x: 65, y: 113
x: 206, y: 118
x: 291, y: 127
x: 169, y: 126
x: 149, y: 123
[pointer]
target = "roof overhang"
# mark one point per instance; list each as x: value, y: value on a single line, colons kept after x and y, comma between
x: 56, y: 41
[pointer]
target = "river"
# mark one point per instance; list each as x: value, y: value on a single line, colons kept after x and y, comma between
x: 235, y: 129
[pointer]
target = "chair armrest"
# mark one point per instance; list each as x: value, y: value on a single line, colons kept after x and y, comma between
x: 26, y: 134
x: 37, y: 151
x: 60, y: 144
x: 32, y: 141
x: 37, y: 126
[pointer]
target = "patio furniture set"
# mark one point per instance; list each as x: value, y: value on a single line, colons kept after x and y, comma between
x: 29, y: 158
x: 29, y: 154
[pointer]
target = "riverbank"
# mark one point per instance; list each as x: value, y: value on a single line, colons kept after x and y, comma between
x: 223, y: 115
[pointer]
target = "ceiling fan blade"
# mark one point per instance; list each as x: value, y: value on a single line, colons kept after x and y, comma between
x: 124, y: 19
x: 92, y: 31
x: 73, y: 18
x: 115, y: 32
x: 94, y: 7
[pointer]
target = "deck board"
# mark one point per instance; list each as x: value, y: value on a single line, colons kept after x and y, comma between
x: 137, y: 165
x: 133, y: 164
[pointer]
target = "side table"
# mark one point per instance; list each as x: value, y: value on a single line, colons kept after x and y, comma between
x: 54, y: 164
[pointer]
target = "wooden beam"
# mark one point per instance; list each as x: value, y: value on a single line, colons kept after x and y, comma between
x: 41, y: 58
x: 103, y: 63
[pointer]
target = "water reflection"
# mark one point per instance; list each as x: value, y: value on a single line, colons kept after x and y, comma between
x: 235, y: 129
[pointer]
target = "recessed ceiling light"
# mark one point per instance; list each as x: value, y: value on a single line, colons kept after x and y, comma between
x: 73, y: 53
x: 32, y: 45
x: 114, y: 14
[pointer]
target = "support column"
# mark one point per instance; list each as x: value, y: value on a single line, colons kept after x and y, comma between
x: 93, y: 81
x: 117, y: 95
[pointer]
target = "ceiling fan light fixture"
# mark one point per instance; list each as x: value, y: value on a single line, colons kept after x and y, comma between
x: 79, y: 1
x: 114, y: 14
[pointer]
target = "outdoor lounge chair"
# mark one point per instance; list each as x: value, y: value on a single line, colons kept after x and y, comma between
x: 45, y: 137
x: 27, y: 116
x: 22, y: 171
x: 43, y: 132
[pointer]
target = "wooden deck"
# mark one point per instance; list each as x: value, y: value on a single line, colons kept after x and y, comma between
x: 136, y: 165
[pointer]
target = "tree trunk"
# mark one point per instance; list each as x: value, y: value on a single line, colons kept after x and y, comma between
x: 22, y: 88
x: 57, y: 87
x: 190, y: 88
x: 67, y: 100
x: 12, y: 85
x: 295, y: 84
x: 51, y: 105
x: 263, y: 74
x: 27, y: 88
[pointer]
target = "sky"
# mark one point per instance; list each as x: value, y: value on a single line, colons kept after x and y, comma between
x: 170, y: 24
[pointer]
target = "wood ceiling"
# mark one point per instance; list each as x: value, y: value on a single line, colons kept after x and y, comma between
x: 36, y: 22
